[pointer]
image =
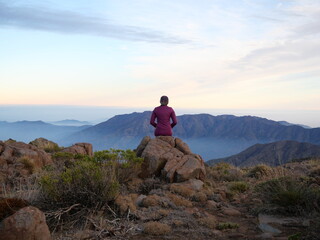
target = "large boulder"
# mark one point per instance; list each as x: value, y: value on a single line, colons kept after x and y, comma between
x: 80, y: 148
x: 170, y: 158
x: 28, y: 223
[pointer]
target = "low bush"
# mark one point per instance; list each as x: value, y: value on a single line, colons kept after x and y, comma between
x: 224, y: 172
x: 85, y: 182
x: 238, y: 187
x: 290, y: 195
x: 260, y: 171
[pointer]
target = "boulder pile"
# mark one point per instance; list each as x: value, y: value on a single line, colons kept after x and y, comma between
x: 171, y: 159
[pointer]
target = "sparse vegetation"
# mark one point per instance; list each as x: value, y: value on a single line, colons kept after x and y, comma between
x: 227, y: 225
x: 290, y: 195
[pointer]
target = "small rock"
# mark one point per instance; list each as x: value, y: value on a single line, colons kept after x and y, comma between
x: 267, y: 228
x: 231, y: 212
x: 139, y: 200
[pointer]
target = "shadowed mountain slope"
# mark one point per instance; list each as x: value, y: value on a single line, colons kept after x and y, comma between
x: 272, y: 154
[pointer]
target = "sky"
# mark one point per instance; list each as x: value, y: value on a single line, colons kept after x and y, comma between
x: 255, y: 57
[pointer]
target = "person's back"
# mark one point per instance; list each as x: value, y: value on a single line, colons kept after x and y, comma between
x: 163, y: 114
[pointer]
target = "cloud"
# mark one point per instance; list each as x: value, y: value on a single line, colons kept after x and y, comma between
x: 29, y: 17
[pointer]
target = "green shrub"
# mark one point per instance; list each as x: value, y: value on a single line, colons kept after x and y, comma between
x: 124, y: 162
x: 85, y: 182
x: 227, y: 225
x: 88, y: 180
x: 239, y: 186
x: 291, y: 195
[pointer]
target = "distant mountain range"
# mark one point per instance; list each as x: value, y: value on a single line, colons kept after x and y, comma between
x: 210, y: 136
x: 272, y: 154
x: 71, y: 122
x: 27, y: 131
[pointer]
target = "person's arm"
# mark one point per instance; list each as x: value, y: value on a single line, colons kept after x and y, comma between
x: 174, y: 119
x: 152, y: 119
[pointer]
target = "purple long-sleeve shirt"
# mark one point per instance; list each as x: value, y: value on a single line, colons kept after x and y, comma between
x: 163, y: 125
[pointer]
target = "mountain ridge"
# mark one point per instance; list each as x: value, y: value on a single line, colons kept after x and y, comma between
x: 208, y: 135
x: 273, y: 154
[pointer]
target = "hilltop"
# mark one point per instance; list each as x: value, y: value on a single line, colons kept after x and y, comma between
x: 162, y: 190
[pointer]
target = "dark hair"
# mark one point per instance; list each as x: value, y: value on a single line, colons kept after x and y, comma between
x: 164, y: 100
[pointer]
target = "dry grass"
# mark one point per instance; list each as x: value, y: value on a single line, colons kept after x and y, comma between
x: 182, y: 190
x: 151, y: 201
x: 209, y: 222
x: 260, y: 171
x: 156, y: 228
x: 179, y: 201
x: 200, y: 197
x: 224, y: 172
x: 126, y: 203
x: 28, y: 164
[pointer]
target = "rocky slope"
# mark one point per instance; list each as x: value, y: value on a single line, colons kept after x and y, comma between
x: 272, y: 154
x: 175, y: 197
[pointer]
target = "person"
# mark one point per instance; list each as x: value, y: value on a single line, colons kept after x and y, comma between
x: 163, y: 114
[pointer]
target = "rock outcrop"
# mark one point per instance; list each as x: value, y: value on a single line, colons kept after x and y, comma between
x: 28, y: 223
x: 170, y: 158
x: 11, y: 152
x: 44, y: 144
x: 80, y: 148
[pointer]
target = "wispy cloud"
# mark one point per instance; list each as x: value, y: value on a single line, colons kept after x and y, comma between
x: 45, y: 19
